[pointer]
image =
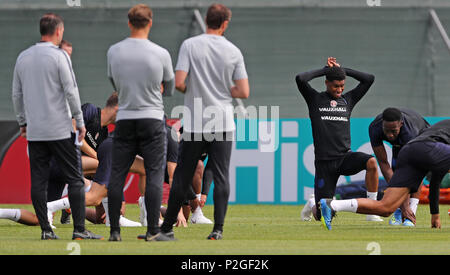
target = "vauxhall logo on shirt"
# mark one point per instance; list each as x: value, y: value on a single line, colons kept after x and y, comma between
x: 333, y: 113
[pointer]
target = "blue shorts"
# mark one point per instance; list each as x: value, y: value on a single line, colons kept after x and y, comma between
x: 329, y: 171
x: 416, y: 160
x: 104, y: 156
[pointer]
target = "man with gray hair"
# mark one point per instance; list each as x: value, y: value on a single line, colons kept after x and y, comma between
x: 45, y: 98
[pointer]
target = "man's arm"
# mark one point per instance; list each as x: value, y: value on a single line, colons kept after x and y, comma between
x: 168, y: 76
x: 18, y: 104
x: 365, y: 82
x: 241, y: 89
x: 70, y: 88
x: 180, y: 81
x: 434, y: 200
x: 302, y: 80
x: 381, y: 155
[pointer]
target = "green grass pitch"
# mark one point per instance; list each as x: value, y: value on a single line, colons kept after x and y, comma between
x: 249, y: 230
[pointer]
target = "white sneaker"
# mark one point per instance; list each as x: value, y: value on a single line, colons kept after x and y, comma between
x: 199, y: 218
x: 124, y: 222
x: 373, y: 218
x: 306, y: 214
x: 50, y: 219
x: 142, y: 211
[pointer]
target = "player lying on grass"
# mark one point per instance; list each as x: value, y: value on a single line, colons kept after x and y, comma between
x: 428, y: 152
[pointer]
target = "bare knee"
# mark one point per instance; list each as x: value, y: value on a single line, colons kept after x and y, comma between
x: 95, y: 197
x: 387, y: 210
x: 371, y: 165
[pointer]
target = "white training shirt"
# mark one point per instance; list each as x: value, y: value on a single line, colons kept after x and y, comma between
x: 45, y: 93
x: 212, y: 63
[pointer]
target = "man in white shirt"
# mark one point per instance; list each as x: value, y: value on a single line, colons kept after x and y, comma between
x: 210, y: 72
x: 136, y: 68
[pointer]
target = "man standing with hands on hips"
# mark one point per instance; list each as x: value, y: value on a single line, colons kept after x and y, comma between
x: 210, y: 72
x: 45, y: 98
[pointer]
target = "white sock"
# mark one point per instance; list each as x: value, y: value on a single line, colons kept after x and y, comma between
x: 142, y: 205
x: 61, y: 204
x: 88, y: 187
x: 105, y: 206
x: 198, y: 211
x: 312, y: 202
x: 413, y: 202
x: 372, y: 195
x: 10, y: 214
x: 65, y: 191
x: 344, y: 205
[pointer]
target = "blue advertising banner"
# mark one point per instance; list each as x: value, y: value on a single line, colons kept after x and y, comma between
x: 273, y: 160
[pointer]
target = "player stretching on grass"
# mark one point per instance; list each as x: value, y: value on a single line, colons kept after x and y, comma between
x: 330, y: 113
x: 429, y: 152
x: 398, y: 127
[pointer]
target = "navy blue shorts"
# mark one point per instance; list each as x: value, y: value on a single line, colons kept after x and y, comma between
x: 416, y: 160
x: 329, y: 171
x: 104, y: 156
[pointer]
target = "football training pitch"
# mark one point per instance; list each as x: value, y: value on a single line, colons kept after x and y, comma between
x: 249, y: 230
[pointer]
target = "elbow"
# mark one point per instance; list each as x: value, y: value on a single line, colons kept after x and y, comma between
x: 180, y: 86
x: 299, y: 78
x: 245, y: 93
x: 371, y: 79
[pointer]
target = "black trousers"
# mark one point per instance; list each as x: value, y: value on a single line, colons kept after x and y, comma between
x: 219, y: 153
x: 146, y: 137
x: 68, y: 157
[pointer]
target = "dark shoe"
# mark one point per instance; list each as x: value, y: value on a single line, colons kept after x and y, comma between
x: 215, y: 235
x: 49, y: 235
x: 115, y: 237
x: 65, y: 217
x: 86, y: 235
x: 160, y: 237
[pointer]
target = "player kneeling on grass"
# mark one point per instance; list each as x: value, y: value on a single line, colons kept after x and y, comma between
x: 330, y: 114
x: 429, y: 152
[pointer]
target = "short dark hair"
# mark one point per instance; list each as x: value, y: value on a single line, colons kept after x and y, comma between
x: 392, y: 114
x: 140, y: 15
x: 49, y: 22
x: 65, y: 42
x: 216, y: 15
x: 335, y: 73
x: 113, y: 100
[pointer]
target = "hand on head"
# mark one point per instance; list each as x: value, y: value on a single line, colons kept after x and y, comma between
x: 331, y: 62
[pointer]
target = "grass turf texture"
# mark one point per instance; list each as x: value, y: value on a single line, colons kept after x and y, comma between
x: 249, y: 230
